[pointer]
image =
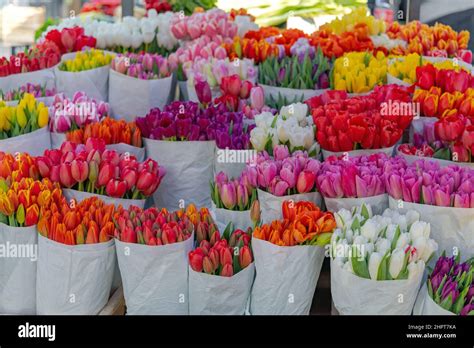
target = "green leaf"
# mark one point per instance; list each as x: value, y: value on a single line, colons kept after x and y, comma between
x: 359, y: 264
x: 355, y: 224
x: 395, y: 238
x: 364, y: 211
x: 228, y: 230
x: 383, y: 273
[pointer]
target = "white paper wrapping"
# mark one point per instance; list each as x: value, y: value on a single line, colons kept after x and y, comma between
x: 396, y: 81
x: 270, y: 205
x: 189, y: 167
x: 450, y: 227
x: 387, y: 150
x: 121, y: 148
x: 291, y: 94
x: 57, y: 139
x: 155, y: 278
x: 233, y: 162
x: 286, y: 278
x: 192, y: 96
x: 425, y: 305
x: 233, y: 170
x: 443, y: 163
x: 18, y: 269
x: 353, y: 295
x: 79, y: 196
x: 44, y: 77
x: 130, y: 97
x: 94, y: 81
x: 240, y: 219
x: 34, y: 143
x: 216, y: 295
x: 378, y: 203
x: 73, y: 279
x: 183, y: 90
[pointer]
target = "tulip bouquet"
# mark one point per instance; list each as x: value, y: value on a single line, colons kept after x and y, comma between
x: 145, y: 67
x: 233, y: 198
x: 90, y: 168
x: 405, y: 68
x: 439, y: 40
x: 110, y: 131
x: 70, y: 235
x: 291, y: 127
x: 350, y: 21
x: 221, y: 272
x: 201, y: 219
x: 68, y: 39
x: 289, y: 254
x: 18, y: 166
x: 381, y: 257
x: 447, y: 80
x: 435, y: 103
x: 451, y: 286
x: 74, y: 113
x: 22, y: 200
x: 149, y: 34
x: 305, y: 69
x: 350, y: 41
x: 359, y: 72
x: 151, y: 226
x: 38, y: 91
x: 213, y: 71
x: 86, y: 60
x: 28, y: 116
x: 29, y: 62
x: 284, y: 177
x: 257, y: 49
x: 214, y: 22
x: 450, y: 138
x: 344, y: 182
x: 374, y: 121
x: 152, y: 250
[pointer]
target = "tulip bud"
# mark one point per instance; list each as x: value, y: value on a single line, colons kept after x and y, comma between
x: 245, y: 89
x: 225, y: 256
x: 255, y: 212
x: 245, y: 257
x: 203, y: 92
x: 227, y: 270
x: 196, y: 258
x: 207, y: 265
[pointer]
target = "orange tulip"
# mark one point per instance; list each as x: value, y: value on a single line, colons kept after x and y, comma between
x: 32, y: 215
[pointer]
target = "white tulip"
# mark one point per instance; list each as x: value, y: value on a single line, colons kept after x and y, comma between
x: 359, y: 240
x: 258, y: 138
x: 308, y: 138
x: 296, y: 137
x: 264, y: 120
x: 369, y: 230
x: 396, y: 262
x: 412, y: 216
x: 401, y: 221
x: 297, y: 110
x: 415, y: 268
x: 283, y: 132
x: 382, y: 245
x: 374, y: 263
x: 349, y: 235
x: 419, y: 244
x: 403, y: 240
x: 390, y: 233
x: 348, y: 267
x: 431, y: 247
x: 420, y: 229
x: 368, y: 248
x: 342, y: 216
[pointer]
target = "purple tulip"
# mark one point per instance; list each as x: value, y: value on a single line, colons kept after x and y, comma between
x: 280, y: 152
x: 468, y: 309
x: 203, y: 92
x: 442, y: 198
x: 349, y: 181
x: 279, y: 187
x: 450, y: 288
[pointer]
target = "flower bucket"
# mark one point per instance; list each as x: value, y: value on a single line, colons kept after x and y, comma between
x: 387, y: 150
x: 217, y: 295
x: 426, y: 306
x: 240, y: 219
x: 73, y: 279
x: 34, y: 143
x: 286, y: 278
x: 291, y: 94
x: 130, y: 97
x: 418, y: 124
x: 18, y: 271
x: 155, y: 278
x: 378, y: 203
x: 44, y: 77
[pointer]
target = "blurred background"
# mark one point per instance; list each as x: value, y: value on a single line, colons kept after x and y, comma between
x: 22, y: 20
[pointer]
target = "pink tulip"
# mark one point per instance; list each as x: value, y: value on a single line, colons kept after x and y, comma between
x: 442, y: 198
x: 227, y: 270
x: 257, y: 99
x: 62, y: 123
x: 203, y: 92
x: 116, y: 188
x: 349, y: 180
x: 228, y: 195
x: 79, y: 170
x: 65, y: 175
x: 106, y: 173
x: 306, y: 181
x: 427, y: 195
x: 280, y: 152
x: 461, y: 200
x: 279, y: 187
x: 242, y: 196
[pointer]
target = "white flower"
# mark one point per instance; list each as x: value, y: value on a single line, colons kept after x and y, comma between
x: 264, y: 120
x: 369, y: 230
x: 401, y: 221
x: 412, y: 216
x: 349, y: 235
x: 403, y: 240
x: 391, y: 229
x: 342, y: 216
x: 308, y: 138
x: 420, y: 229
x: 368, y: 248
x: 258, y: 138
x: 415, y: 268
x: 396, y: 262
x: 431, y: 247
x: 359, y: 240
x: 419, y: 244
x: 374, y: 263
x: 348, y: 267
x: 296, y: 137
x: 382, y: 245
x: 297, y: 110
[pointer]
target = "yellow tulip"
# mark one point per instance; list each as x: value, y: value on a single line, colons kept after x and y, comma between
x: 43, y: 117
x: 21, y: 117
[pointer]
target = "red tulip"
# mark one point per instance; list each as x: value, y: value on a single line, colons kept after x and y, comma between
x: 425, y: 76
x: 468, y: 136
x: 116, y: 188
x: 106, y: 173
x: 207, y: 265
x: 449, y: 128
x: 129, y: 175
x: 65, y: 175
x: 227, y: 270
x: 305, y: 182
x: 231, y: 85
x: 44, y: 166
x: 225, y: 256
x: 459, y: 152
x: 430, y: 105
x: 79, y: 170
x: 245, y: 256
x: 345, y: 143
x: 196, y: 260
x: 129, y: 235
x: 32, y: 215
x: 245, y: 89
x: 147, y: 181
x: 168, y: 236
